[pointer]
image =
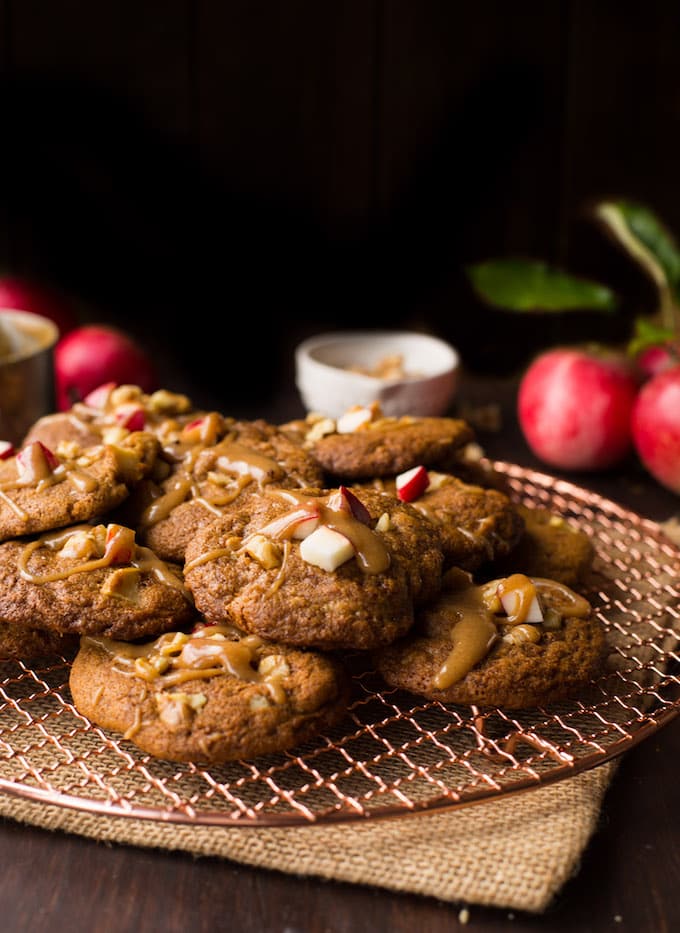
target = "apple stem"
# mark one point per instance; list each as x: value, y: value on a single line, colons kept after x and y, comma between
x: 668, y: 309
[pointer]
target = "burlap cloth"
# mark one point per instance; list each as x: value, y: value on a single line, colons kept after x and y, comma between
x: 470, y: 855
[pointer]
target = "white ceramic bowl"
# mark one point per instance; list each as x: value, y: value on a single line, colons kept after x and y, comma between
x: 327, y: 385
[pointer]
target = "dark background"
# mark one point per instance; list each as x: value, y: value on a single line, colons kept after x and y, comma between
x: 225, y: 178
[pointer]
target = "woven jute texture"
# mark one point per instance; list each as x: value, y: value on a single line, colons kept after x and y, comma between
x: 514, y: 852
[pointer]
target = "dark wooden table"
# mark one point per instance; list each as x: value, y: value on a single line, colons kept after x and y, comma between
x: 629, y: 878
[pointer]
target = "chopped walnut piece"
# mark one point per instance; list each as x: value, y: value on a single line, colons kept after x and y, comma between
x: 177, y: 709
x: 519, y: 634
x: 123, y: 583
x: 266, y: 552
x: 171, y: 403
x: 125, y: 393
x: 82, y: 545
x: 68, y: 450
x: 320, y: 429
x: 384, y: 523
x: 274, y: 665
x: 115, y: 434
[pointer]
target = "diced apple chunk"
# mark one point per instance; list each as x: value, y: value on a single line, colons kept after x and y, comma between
x: 305, y: 527
x: 120, y: 544
x: 6, y: 450
x: 412, y: 483
x: 344, y: 500
x: 131, y: 416
x: 326, y: 548
x: 511, y: 601
x: 35, y: 462
x: 98, y: 397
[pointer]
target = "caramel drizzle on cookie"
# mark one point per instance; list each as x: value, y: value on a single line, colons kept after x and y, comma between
x: 240, y: 463
x: 476, y: 626
x: 142, y: 558
x: 370, y: 551
x: 39, y: 479
x: 210, y: 651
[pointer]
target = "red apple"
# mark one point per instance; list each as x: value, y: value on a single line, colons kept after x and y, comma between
x: 574, y: 407
x: 97, y: 353
x: 655, y: 425
x: 657, y: 358
x: 23, y: 294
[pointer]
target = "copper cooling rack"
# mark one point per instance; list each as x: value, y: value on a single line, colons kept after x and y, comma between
x: 395, y: 754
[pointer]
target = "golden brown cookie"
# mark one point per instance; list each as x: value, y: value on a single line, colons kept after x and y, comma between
x: 320, y: 569
x: 467, y: 649
x: 210, y: 696
x: 41, y: 489
x: 378, y: 445
x: 110, y: 413
x: 19, y: 642
x: 91, y: 579
x: 214, y: 471
x: 476, y: 524
x: 550, y: 546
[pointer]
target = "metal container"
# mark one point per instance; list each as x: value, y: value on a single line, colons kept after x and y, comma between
x: 27, y: 389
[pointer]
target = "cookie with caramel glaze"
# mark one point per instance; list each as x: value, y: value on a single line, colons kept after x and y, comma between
x: 110, y: 413
x: 476, y: 524
x: 91, y: 579
x: 214, y: 472
x: 41, y: 489
x: 210, y: 696
x: 19, y: 642
x: 382, y: 446
x: 462, y: 649
x: 254, y: 568
x: 550, y: 546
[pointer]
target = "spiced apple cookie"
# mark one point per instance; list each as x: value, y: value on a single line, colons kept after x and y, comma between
x: 90, y: 579
x: 515, y: 642
x: 550, y: 546
x: 109, y: 413
x: 476, y: 524
x: 41, y: 489
x: 214, y: 469
x: 211, y: 695
x: 363, y: 443
x: 19, y: 642
x: 316, y: 568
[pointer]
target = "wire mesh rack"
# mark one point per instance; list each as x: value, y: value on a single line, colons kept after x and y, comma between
x: 395, y: 754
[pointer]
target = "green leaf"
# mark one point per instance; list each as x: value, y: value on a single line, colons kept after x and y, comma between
x: 648, y: 334
x: 531, y: 285
x: 643, y: 236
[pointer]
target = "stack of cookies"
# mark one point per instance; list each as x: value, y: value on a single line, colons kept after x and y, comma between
x: 209, y: 578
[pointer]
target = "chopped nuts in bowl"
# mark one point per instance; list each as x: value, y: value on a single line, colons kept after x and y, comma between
x: 406, y: 372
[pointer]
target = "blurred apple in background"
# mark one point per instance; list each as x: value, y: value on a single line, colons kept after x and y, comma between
x: 93, y: 354
x: 655, y: 424
x: 24, y: 294
x: 574, y: 407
